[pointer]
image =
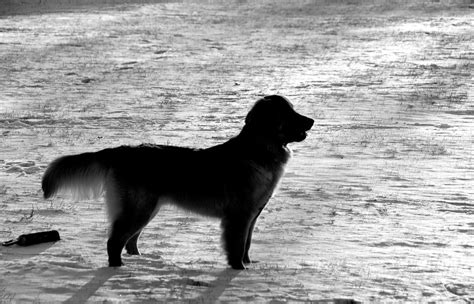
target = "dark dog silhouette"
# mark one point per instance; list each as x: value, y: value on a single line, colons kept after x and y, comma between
x: 232, y: 181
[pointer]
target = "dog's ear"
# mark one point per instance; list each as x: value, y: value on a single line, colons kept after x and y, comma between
x: 264, y: 114
x: 268, y: 111
x: 255, y: 113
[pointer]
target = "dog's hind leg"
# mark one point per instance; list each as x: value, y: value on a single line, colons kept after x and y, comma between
x: 147, y: 212
x: 234, y: 236
x: 125, y: 232
x: 120, y: 234
x: 131, y: 245
x: 127, y: 225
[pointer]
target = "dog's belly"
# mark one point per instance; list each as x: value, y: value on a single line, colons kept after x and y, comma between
x: 207, y: 206
x: 217, y: 195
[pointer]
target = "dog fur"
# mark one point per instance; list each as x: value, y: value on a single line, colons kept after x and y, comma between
x: 232, y: 181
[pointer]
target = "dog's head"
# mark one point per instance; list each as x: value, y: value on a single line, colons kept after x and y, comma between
x: 274, y: 118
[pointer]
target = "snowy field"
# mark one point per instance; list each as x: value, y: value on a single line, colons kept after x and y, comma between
x: 377, y: 205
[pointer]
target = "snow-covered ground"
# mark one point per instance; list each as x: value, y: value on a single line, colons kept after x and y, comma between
x: 376, y: 205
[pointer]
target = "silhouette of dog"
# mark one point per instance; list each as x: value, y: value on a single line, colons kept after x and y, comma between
x: 232, y: 181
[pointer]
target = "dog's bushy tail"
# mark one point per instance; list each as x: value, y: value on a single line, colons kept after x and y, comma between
x: 82, y: 175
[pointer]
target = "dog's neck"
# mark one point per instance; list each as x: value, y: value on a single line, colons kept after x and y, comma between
x: 269, y: 149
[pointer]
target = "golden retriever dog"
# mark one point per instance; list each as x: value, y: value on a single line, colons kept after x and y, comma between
x: 232, y: 181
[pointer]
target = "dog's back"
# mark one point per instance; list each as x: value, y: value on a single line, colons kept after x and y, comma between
x: 200, y: 180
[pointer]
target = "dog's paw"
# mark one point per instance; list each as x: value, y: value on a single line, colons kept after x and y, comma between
x: 118, y: 263
x: 237, y: 266
x: 250, y: 261
x: 133, y: 252
x: 247, y: 259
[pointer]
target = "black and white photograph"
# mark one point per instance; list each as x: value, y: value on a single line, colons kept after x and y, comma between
x: 236, y: 151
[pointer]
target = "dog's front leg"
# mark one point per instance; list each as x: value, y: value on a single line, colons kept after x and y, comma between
x: 246, y: 258
x: 235, y: 231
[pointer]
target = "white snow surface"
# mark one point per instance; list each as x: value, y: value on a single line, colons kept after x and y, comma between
x: 375, y: 206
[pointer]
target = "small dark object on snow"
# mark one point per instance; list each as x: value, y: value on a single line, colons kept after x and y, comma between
x: 34, y: 238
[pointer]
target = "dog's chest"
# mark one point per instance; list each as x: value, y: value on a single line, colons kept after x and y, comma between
x: 266, y: 183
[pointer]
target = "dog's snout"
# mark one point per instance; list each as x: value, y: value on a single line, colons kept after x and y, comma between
x: 305, y: 122
x: 309, y: 123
